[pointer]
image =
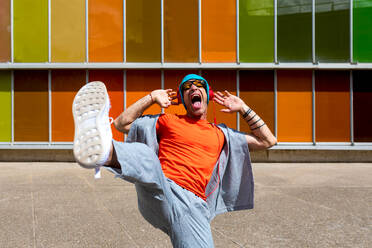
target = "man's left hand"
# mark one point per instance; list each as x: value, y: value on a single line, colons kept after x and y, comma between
x: 231, y: 103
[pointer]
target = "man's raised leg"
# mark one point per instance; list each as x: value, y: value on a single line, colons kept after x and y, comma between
x: 93, y: 136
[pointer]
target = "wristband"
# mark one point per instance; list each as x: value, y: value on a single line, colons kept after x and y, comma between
x: 247, y: 113
x: 258, y: 127
x: 251, y: 118
x: 152, y: 100
x: 255, y: 122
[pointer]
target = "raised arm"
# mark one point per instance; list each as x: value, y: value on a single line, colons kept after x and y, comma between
x: 261, y: 136
x: 164, y: 98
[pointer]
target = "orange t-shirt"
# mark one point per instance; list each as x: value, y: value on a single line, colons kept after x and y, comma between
x: 188, y: 150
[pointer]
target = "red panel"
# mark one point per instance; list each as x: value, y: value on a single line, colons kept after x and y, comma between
x: 31, y: 118
x: 257, y: 91
x: 4, y: 30
x: 221, y: 81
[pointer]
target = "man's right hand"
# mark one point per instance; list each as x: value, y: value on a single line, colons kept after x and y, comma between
x: 164, y: 98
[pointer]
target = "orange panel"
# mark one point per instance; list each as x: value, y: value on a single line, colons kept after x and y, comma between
x: 172, y: 79
x: 31, y: 118
x: 221, y: 81
x: 219, y: 31
x: 65, y: 84
x: 105, y: 31
x: 113, y: 80
x: 256, y: 88
x: 294, y: 106
x: 139, y: 84
x: 332, y: 106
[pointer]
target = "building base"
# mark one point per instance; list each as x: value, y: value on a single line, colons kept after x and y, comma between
x: 271, y: 156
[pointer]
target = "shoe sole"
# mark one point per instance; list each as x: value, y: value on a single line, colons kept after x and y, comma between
x: 89, y: 102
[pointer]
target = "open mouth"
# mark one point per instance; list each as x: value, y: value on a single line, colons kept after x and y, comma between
x: 196, y: 101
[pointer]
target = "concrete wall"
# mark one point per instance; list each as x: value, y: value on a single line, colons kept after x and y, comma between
x: 61, y: 155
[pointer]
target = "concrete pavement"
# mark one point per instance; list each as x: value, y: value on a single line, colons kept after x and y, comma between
x: 296, y: 205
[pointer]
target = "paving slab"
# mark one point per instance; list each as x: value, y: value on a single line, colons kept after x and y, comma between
x: 296, y: 205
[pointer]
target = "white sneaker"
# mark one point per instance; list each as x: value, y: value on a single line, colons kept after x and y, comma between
x: 93, y: 136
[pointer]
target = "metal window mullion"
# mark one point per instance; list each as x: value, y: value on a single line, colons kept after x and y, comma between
x: 125, y: 94
x: 50, y: 105
x: 351, y: 108
x: 200, y: 31
x: 275, y: 103
x: 313, y: 107
x: 86, y: 76
x: 124, y: 32
x: 313, y: 31
x: 86, y: 31
x: 162, y: 31
x: 49, y: 32
x: 125, y: 89
x: 351, y: 32
x: 162, y: 84
x: 238, y: 95
x: 12, y: 31
x: 276, y: 31
x: 237, y: 32
x: 179, y: 66
x: 12, y: 104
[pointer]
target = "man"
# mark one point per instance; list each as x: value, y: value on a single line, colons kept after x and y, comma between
x: 185, y: 169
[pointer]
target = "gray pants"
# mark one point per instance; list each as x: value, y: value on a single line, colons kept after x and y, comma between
x: 178, y: 212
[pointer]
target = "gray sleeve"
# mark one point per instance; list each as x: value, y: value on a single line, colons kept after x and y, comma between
x: 143, y: 130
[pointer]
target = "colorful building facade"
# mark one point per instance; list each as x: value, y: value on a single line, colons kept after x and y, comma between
x: 304, y: 66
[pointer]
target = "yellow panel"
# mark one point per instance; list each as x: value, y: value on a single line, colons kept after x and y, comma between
x: 143, y: 33
x: 68, y: 30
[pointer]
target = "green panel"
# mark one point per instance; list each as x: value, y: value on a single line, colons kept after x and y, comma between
x: 294, y: 31
x: 31, y: 30
x: 362, y: 30
x: 332, y: 31
x: 5, y: 107
x: 256, y: 30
